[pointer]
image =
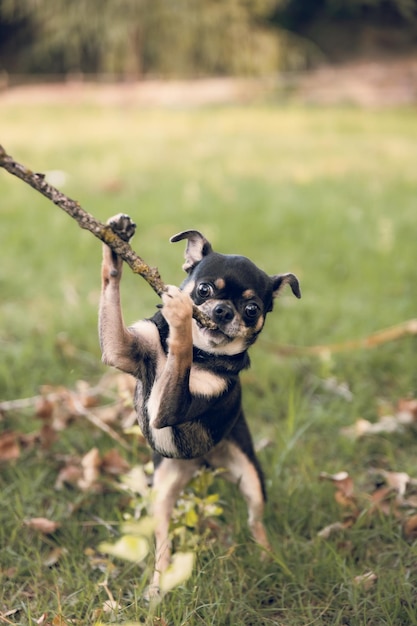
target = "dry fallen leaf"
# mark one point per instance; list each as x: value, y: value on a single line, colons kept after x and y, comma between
x: 53, y: 557
x: 90, y: 464
x: 383, y: 501
x: 409, y: 407
x: 9, y: 446
x: 10, y: 613
x: 342, y: 480
x: 47, y: 436
x: 404, y: 416
x: 44, y: 408
x: 335, y: 528
x: 366, y: 580
x: 111, y: 606
x: 42, y: 525
x: 344, y: 494
x: 398, y: 481
x: 69, y: 475
x: 59, y: 621
x: 410, y: 528
x: 113, y: 463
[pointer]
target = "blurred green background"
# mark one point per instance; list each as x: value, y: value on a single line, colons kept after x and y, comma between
x: 326, y: 192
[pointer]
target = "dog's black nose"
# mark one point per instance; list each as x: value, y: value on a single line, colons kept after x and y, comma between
x: 223, y: 312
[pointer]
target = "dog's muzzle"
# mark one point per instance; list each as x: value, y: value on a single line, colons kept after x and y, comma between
x: 223, y: 313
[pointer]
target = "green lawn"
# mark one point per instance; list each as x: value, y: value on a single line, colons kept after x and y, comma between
x: 329, y: 194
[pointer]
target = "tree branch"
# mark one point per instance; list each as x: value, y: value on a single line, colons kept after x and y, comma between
x: 98, y: 229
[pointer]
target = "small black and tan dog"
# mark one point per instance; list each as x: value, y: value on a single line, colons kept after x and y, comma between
x: 188, y: 393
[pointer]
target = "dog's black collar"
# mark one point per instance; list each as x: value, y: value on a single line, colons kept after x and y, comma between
x: 220, y: 363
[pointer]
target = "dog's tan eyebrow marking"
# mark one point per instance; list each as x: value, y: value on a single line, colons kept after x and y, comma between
x: 249, y: 293
x: 220, y: 283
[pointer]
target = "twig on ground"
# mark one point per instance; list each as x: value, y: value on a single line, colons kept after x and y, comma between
x: 98, y: 423
x: 72, y: 399
x: 377, y: 338
x: 98, y: 229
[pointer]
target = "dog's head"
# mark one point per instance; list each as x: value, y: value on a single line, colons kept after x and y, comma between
x: 232, y: 291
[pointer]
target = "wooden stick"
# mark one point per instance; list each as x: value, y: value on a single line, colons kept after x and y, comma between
x: 98, y: 229
x: 153, y: 278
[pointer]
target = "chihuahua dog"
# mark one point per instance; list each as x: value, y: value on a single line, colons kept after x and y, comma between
x: 188, y: 392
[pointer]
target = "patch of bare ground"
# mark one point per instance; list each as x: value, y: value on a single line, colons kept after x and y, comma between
x: 366, y: 83
x: 146, y: 93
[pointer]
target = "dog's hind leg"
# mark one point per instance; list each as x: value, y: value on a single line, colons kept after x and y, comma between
x: 170, y: 478
x: 244, y: 470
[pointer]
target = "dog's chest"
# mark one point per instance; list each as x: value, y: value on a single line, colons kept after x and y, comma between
x: 189, y: 439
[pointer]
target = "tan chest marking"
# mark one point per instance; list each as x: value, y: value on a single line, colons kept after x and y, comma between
x: 206, y: 384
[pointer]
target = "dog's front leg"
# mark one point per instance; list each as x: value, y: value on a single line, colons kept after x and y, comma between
x: 116, y: 341
x: 170, y: 398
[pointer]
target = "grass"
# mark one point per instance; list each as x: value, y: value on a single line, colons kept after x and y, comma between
x: 326, y: 193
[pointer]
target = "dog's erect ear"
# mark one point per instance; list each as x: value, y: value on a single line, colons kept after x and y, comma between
x: 197, y: 247
x: 286, y: 279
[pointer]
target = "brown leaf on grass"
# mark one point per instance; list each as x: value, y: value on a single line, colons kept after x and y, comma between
x: 388, y: 499
x: 404, y: 416
x: 85, y: 394
x: 9, y: 446
x: 383, y: 500
x: 410, y: 528
x: 398, y: 481
x: 58, y: 406
x: 113, y: 463
x: 53, y: 557
x: 59, y: 621
x: 44, y: 408
x: 60, y: 403
x: 366, y: 580
x: 344, y: 494
x: 69, y: 475
x: 85, y: 473
x: 335, y: 528
x: 10, y: 613
x: 42, y: 525
x: 47, y: 436
x: 409, y: 405
x: 90, y: 464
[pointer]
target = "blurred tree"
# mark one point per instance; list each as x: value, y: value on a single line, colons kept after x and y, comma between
x: 135, y: 37
x: 348, y: 28
x: 296, y: 13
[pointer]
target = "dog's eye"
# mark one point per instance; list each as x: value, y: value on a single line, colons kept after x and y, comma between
x: 251, y: 310
x: 205, y: 290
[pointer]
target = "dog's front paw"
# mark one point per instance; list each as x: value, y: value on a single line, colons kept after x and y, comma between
x: 177, y: 307
x: 122, y: 225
